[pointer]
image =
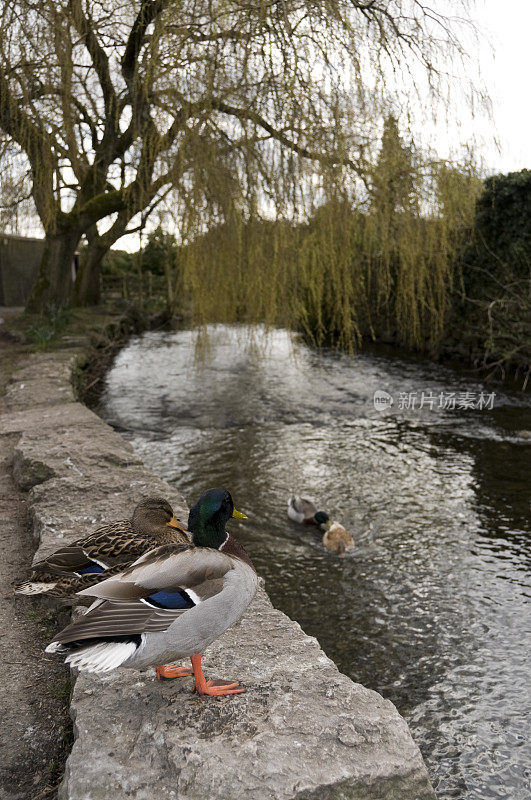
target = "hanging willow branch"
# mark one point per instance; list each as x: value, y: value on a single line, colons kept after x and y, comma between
x: 241, y: 108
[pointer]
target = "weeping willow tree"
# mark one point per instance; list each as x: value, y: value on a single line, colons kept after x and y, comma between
x: 227, y: 110
x: 376, y: 261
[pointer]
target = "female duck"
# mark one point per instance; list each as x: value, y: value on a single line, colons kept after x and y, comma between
x: 171, y: 603
x: 304, y: 511
x: 110, y: 549
x: 338, y: 540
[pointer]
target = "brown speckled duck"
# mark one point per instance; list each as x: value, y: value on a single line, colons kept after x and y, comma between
x: 107, y: 551
x: 171, y: 603
x: 338, y: 540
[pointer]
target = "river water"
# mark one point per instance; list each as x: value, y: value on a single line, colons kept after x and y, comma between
x: 431, y: 609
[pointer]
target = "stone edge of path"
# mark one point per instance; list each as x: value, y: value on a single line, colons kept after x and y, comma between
x: 302, y: 729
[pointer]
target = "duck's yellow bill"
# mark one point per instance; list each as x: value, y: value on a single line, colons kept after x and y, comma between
x: 239, y: 515
x: 176, y: 523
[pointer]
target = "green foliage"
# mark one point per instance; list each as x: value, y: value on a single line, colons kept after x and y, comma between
x: 496, y: 273
x: 45, y: 328
x: 502, y: 228
x: 160, y: 253
x: 116, y: 262
x: 364, y: 264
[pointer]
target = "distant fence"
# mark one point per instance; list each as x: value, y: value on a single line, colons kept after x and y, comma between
x: 132, y: 286
x: 20, y: 257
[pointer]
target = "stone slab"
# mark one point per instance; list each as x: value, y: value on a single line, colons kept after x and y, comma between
x: 301, y: 730
x: 68, y: 450
x: 36, y: 419
x: 42, y: 379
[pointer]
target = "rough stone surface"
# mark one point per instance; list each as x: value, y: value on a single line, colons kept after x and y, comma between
x: 302, y: 729
x: 44, y: 378
x: 35, y: 420
x: 71, y: 451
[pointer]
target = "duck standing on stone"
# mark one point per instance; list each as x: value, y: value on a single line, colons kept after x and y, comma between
x: 107, y: 551
x: 304, y: 510
x: 170, y: 604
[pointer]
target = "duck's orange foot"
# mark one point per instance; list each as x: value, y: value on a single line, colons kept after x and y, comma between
x: 216, y: 688
x: 170, y: 671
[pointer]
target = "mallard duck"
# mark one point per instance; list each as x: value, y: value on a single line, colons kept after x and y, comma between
x: 337, y: 539
x: 171, y: 603
x: 304, y: 511
x: 107, y: 551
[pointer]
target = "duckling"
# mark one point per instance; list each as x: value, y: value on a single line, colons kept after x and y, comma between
x: 171, y: 603
x: 304, y: 511
x: 107, y: 551
x: 337, y: 539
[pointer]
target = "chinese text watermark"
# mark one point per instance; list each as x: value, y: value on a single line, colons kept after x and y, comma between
x: 447, y: 401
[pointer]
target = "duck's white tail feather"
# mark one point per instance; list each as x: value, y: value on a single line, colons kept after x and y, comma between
x: 100, y: 657
x: 34, y: 587
x: 294, y: 512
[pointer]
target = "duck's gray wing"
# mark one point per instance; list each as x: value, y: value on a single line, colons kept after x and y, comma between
x: 109, y: 619
x: 169, y: 567
x: 122, y: 609
x: 304, y: 505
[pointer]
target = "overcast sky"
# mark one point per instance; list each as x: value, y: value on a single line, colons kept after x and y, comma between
x: 504, y: 60
x: 507, y: 77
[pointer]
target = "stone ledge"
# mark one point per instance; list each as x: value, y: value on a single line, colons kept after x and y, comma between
x: 302, y: 730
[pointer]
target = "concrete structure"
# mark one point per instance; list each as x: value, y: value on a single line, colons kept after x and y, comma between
x: 20, y: 258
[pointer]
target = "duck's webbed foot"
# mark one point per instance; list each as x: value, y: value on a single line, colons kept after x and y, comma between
x: 215, y: 688
x: 212, y: 687
x: 168, y: 672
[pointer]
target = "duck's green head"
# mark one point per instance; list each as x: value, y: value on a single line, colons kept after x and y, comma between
x: 207, y: 519
x: 322, y: 520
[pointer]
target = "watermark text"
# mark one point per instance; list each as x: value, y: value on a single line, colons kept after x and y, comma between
x: 446, y: 401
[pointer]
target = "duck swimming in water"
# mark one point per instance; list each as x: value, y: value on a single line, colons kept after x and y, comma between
x: 337, y: 539
x: 107, y: 551
x: 171, y: 603
x: 304, y: 511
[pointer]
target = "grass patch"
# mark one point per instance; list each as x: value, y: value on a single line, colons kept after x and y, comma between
x: 45, y: 329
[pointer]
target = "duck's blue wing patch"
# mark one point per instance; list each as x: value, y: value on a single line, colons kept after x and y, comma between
x: 92, y: 567
x: 166, y: 599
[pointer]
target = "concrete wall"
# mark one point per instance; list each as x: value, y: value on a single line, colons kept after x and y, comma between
x: 20, y: 258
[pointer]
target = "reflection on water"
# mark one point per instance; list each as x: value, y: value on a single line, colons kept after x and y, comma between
x: 430, y: 609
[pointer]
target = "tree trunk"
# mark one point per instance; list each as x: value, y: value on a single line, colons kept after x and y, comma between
x: 87, y: 286
x: 54, y: 281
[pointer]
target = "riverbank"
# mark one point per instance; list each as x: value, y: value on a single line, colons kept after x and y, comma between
x: 301, y: 730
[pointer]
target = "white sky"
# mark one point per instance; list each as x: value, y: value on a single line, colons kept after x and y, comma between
x: 505, y: 66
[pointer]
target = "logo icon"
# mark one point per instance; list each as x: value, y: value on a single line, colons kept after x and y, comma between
x: 382, y: 400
